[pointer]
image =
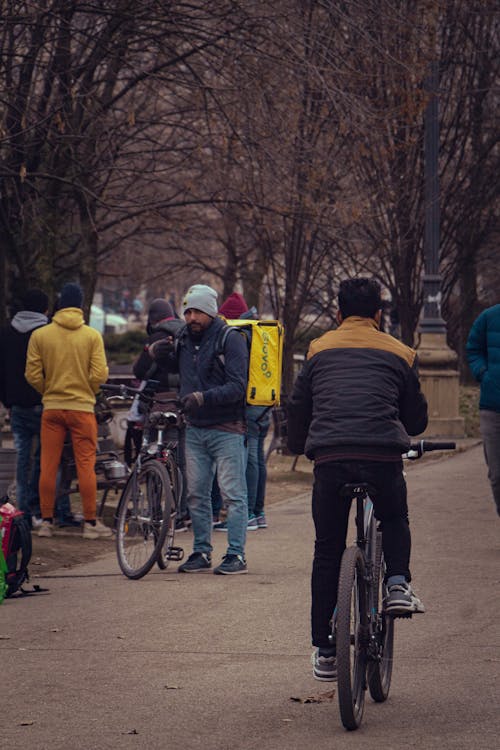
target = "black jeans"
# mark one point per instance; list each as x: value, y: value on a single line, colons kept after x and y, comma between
x: 331, y: 513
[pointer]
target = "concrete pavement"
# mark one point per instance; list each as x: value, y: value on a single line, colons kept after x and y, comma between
x: 213, y: 662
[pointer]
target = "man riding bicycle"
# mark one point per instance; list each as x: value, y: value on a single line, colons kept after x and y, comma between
x: 353, y: 407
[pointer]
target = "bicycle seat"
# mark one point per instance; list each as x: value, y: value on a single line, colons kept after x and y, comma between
x: 357, y: 489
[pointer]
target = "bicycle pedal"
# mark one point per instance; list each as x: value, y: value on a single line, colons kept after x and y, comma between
x: 405, y: 616
x: 175, y: 553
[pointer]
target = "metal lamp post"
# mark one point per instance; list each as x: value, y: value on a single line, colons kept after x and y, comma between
x: 432, y: 321
x: 438, y: 373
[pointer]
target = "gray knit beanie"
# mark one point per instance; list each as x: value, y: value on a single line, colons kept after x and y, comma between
x: 201, y: 297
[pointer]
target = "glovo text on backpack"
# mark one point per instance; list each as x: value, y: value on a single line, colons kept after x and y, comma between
x: 265, y: 344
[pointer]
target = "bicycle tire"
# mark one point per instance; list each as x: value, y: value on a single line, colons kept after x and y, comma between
x: 379, y: 673
x: 351, y: 634
x: 173, y: 476
x: 142, y: 519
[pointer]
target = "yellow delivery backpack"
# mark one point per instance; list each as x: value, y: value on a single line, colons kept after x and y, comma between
x: 265, y: 345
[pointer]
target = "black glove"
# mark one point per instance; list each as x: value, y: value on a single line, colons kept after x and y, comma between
x: 192, y: 402
x: 161, y: 349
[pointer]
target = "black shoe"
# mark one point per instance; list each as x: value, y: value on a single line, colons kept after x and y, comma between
x: 231, y: 565
x: 195, y: 563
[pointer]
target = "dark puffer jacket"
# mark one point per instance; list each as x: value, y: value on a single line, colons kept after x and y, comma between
x: 357, y: 394
x: 200, y: 369
x: 483, y: 355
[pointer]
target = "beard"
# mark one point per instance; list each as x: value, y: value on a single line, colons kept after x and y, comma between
x: 196, y: 331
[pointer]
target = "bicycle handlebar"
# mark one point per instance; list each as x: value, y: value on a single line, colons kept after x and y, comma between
x: 424, y: 446
x: 145, y: 394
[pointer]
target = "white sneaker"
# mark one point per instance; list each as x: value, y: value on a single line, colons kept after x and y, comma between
x: 45, y: 529
x: 99, y: 531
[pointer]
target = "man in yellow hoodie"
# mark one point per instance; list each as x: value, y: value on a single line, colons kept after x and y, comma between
x: 66, y: 363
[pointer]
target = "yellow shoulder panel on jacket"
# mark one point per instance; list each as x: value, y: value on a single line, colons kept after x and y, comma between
x: 361, y: 333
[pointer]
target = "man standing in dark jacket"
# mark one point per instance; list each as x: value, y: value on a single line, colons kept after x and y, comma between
x: 212, y: 389
x: 24, y: 402
x: 483, y: 354
x: 354, y: 404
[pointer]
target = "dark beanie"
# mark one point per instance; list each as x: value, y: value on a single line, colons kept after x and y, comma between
x: 159, y: 309
x: 34, y: 300
x: 71, y: 296
x: 233, y: 306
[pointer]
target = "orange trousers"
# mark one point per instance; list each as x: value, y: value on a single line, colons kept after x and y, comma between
x: 82, y: 427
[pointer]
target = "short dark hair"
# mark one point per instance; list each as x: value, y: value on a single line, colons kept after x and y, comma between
x: 35, y: 300
x: 360, y: 297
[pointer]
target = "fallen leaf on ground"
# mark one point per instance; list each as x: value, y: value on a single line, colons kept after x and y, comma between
x: 132, y: 731
x: 172, y: 687
x: 320, y: 698
x: 4, y: 637
x: 26, y: 723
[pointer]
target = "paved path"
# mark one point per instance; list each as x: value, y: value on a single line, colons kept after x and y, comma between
x: 212, y: 662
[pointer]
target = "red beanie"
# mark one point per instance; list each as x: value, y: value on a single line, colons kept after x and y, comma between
x: 233, y: 306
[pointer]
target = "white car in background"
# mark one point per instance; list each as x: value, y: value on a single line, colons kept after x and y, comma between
x: 107, y: 322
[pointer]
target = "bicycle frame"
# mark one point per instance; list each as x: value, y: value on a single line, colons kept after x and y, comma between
x: 366, y: 541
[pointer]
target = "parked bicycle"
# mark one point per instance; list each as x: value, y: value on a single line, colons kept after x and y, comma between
x: 147, y: 509
x: 361, y: 631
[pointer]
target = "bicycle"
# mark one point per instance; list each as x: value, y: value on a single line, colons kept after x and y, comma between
x: 362, y: 632
x: 147, y: 509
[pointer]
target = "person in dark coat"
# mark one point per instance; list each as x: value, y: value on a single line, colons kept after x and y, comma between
x: 483, y: 355
x: 161, y: 324
x: 354, y: 404
x: 24, y: 402
x: 212, y: 390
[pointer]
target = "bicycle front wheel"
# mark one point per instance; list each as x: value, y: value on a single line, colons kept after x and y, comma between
x: 143, y: 519
x: 351, y: 635
x: 379, y: 672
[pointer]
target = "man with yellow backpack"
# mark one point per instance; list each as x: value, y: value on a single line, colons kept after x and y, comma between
x: 258, y: 418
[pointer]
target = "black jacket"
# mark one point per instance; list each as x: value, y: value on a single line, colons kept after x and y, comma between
x: 146, y: 368
x: 357, y: 395
x: 221, y: 378
x: 14, y: 388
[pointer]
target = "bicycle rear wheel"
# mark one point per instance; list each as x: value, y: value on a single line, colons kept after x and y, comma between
x: 379, y: 672
x: 143, y: 519
x: 165, y: 553
x: 351, y: 630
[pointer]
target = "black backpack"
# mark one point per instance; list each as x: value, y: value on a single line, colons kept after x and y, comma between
x: 16, y: 546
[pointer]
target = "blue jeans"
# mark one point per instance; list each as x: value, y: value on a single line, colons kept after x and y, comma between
x: 25, y: 426
x: 256, y: 473
x: 209, y: 451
